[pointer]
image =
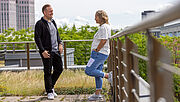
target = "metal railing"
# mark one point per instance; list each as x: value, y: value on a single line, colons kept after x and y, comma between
x: 123, y: 61
x: 75, y: 55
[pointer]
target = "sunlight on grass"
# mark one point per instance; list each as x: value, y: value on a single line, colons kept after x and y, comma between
x: 32, y: 82
x: 1, y: 63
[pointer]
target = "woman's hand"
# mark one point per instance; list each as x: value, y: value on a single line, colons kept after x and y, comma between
x: 96, y: 50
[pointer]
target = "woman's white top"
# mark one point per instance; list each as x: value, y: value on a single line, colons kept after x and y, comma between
x: 104, y: 32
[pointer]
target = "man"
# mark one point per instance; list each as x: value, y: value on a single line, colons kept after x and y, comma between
x: 50, y: 48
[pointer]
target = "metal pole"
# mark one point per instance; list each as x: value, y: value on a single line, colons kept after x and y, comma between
x: 28, y: 59
x: 65, y: 60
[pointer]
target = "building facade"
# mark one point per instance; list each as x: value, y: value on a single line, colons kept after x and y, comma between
x: 167, y: 29
x: 18, y: 14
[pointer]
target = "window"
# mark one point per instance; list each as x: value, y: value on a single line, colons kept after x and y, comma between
x: 8, y: 20
x: 2, y: 18
x: 28, y: 9
x: 7, y: 7
x: 2, y: 6
x: 22, y: 9
x: 25, y: 9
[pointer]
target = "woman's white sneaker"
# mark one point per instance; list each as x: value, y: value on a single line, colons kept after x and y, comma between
x: 95, y: 97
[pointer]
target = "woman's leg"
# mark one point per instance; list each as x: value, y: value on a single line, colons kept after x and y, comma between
x: 99, y: 81
x: 95, y: 61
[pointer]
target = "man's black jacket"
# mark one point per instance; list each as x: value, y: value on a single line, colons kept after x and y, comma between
x: 43, y: 37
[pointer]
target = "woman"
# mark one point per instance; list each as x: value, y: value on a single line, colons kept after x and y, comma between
x: 100, y: 50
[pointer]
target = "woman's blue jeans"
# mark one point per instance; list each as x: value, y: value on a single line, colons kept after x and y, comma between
x: 95, y: 66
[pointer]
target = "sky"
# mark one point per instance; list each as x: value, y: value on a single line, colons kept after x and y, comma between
x: 122, y: 13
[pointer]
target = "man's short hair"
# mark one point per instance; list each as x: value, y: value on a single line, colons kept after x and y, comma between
x: 44, y: 7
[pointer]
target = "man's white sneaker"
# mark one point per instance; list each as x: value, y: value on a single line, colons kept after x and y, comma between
x: 50, y: 96
x: 55, y: 95
x: 110, y: 79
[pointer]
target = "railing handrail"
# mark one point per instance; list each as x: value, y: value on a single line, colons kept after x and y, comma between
x: 76, y: 40
x: 24, y: 42
x: 154, y: 21
x: 34, y: 41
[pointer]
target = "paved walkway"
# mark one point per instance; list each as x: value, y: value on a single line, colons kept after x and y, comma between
x: 59, y: 98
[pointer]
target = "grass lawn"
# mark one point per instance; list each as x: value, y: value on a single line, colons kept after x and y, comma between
x: 32, y: 83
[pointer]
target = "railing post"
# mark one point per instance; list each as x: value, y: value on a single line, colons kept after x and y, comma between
x: 160, y: 80
x: 13, y: 48
x: 110, y: 57
x: 121, y: 70
x: 116, y: 74
x: 5, y: 48
x: 28, y: 59
x: 65, y: 59
x: 129, y: 46
x: 110, y: 67
x: 113, y: 69
x: 135, y: 82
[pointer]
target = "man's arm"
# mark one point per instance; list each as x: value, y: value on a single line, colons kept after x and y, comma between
x: 37, y: 37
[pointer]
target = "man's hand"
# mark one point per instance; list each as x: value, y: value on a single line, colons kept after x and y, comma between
x: 60, y: 48
x: 46, y: 54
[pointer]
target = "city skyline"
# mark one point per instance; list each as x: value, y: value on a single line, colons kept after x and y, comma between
x: 17, y: 14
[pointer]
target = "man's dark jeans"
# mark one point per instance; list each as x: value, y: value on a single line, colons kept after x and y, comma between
x: 50, y: 78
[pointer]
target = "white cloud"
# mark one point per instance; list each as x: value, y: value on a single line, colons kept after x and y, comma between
x: 62, y: 22
x: 128, y: 12
x: 165, y: 6
x: 38, y: 16
x: 78, y: 21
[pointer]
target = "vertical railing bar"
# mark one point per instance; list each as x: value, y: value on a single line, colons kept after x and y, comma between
x: 116, y: 71
x: 111, y: 68
x: 13, y: 48
x: 113, y: 71
x: 65, y: 59
x: 135, y: 68
x: 129, y: 67
x: 28, y: 57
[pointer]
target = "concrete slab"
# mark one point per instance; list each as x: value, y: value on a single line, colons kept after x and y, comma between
x: 59, y: 98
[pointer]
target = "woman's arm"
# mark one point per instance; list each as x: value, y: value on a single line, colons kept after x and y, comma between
x: 101, y: 44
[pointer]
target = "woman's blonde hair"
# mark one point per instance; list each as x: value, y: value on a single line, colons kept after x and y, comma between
x: 102, y: 16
